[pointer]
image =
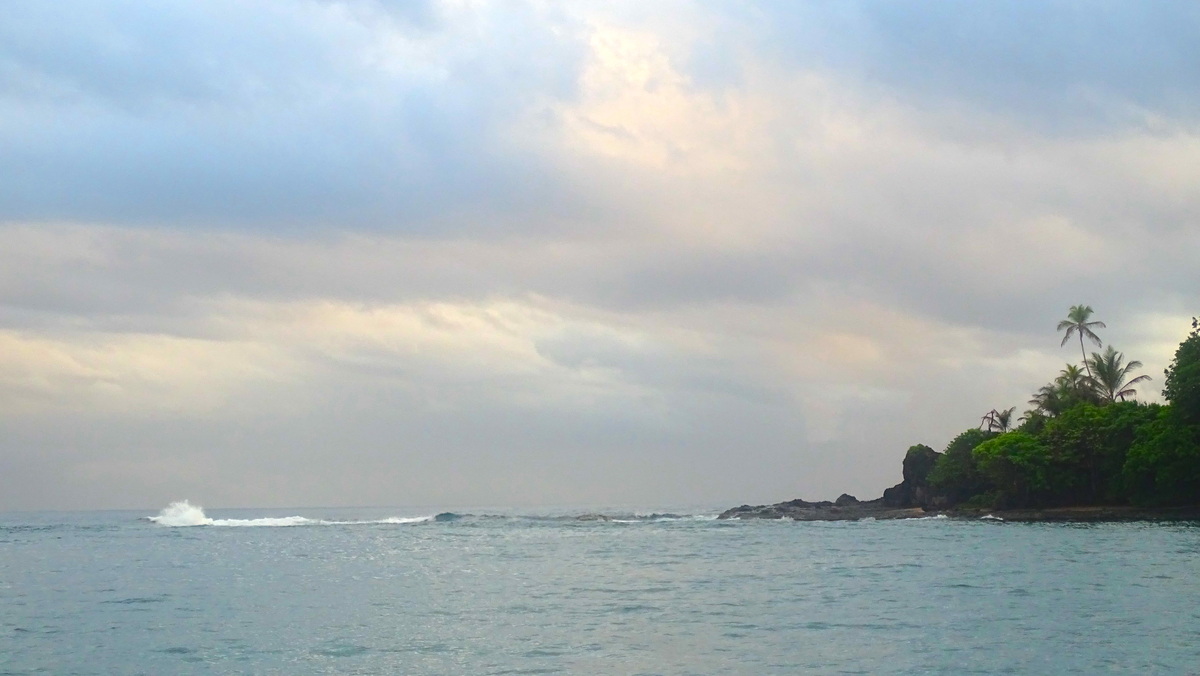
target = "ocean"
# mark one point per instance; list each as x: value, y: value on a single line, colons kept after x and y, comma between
x: 379, y: 591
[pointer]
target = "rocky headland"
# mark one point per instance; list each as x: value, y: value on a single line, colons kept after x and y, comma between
x: 913, y: 498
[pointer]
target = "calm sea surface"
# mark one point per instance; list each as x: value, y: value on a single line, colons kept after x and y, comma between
x: 376, y: 592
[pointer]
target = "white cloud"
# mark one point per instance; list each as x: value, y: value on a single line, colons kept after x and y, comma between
x: 132, y: 375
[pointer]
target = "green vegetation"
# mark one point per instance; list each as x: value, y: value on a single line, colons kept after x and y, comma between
x: 1086, y: 439
x: 956, y: 473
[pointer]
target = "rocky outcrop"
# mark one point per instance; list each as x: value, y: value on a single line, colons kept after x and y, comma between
x: 914, y: 490
x: 913, y: 498
x: 843, y: 509
x: 907, y: 499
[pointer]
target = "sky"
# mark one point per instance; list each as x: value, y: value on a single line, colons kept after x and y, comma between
x: 517, y: 253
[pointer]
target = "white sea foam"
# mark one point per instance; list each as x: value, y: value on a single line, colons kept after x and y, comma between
x: 184, y: 513
x: 397, y: 519
x: 267, y: 521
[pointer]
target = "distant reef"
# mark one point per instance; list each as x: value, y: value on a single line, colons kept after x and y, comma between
x: 845, y: 508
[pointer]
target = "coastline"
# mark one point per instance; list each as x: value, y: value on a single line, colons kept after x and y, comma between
x: 854, y: 510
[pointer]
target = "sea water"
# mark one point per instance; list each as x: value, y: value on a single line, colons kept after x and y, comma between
x: 622, y: 592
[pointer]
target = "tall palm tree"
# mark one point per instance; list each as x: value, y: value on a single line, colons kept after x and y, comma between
x: 1111, y: 373
x: 1077, y: 323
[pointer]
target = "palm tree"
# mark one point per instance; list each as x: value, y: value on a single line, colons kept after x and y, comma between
x: 998, y: 421
x: 1111, y: 373
x: 1003, y: 419
x: 989, y: 420
x: 1049, y: 400
x: 1071, y: 387
x: 1077, y: 323
x: 1075, y: 385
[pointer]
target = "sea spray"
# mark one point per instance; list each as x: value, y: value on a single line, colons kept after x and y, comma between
x: 183, y: 513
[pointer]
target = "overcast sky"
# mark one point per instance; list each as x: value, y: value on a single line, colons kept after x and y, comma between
x: 457, y: 253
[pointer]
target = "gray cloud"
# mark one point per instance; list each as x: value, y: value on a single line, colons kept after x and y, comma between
x: 272, y: 116
x: 1064, y: 68
x: 361, y: 252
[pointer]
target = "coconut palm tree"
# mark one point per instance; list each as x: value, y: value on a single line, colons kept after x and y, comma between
x: 1076, y: 386
x: 1077, y: 323
x: 1110, y: 373
x: 989, y: 420
x: 1048, y: 401
x: 1071, y: 387
x: 998, y: 421
x: 1004, y: 419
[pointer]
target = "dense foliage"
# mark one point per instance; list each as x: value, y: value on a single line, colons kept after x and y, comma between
x: 956, y: 473
x: 1182, y: 387
x: 1086, y: 440
x: 1163, y: 466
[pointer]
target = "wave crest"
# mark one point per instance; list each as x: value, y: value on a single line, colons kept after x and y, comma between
x: 183, y: 513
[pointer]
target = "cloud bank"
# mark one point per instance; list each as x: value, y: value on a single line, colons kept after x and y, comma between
x: 469, y: 253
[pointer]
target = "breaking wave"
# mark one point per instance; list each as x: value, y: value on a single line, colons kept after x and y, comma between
x: 184, y: 513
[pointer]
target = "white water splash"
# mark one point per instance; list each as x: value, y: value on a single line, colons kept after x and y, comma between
x: 184, y: 513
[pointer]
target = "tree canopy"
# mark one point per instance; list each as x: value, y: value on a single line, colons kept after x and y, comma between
x: 1087, y: 439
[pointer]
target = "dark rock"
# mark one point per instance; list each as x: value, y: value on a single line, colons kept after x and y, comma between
x: 918, y: 461
x: 843, y: 510
x: 914, y: 491
x: 899, y: 495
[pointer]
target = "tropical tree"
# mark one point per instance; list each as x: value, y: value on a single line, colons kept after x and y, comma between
x: 1182, y: 385
x: 1071, y: 387
x: 1049, y: 400
x: 1075, y: 386
x: 1004, y: 419
x: 988, y: 421
x: 1077, y: 323
x: 1109, y: 374
x: 955, y: 474
x: 998, y: 421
